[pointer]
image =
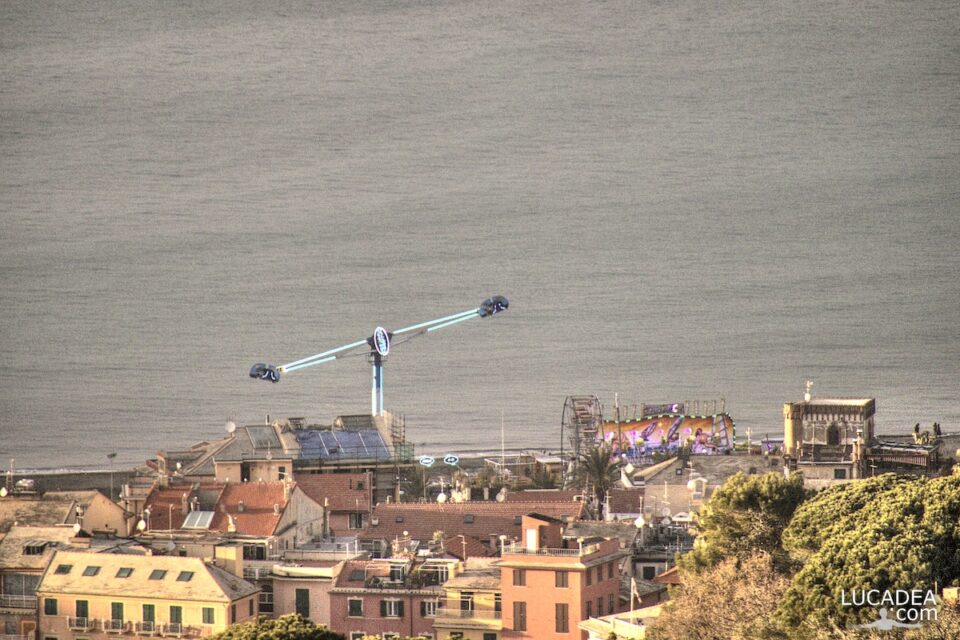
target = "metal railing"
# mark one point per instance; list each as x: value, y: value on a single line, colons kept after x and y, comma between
x: 469, y: 614
x: 173, y: 629
x: 18, y: 602
x: 256, y: 573
x: 544, y: 551
x: 7, y: 636
x: 146, y: 627
x: 81, y: 624
x: 115, y: 626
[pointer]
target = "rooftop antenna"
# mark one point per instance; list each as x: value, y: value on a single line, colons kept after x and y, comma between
x: 806, y: 395
x: 377, y: 346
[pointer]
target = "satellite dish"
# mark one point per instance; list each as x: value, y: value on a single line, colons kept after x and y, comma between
x: 640, y: 522
x: 442, y: 498
x: 501, y: 495
x: 665, y: 512
x: 3, y: 492
x: 76, y: 528
x: 171, y: 546
x: 231, y: 426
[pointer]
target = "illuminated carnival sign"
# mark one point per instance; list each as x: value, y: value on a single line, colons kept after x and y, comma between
x: 381, y: 341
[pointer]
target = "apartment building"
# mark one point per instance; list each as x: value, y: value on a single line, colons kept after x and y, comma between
x: 471, y: 606
x: 85, y: 594
x: 550, y: 584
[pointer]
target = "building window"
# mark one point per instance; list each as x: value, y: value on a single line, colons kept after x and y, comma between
x: 116, y: 611
x: 839, y: 474
x: 83, y: 609
x: 356, y: 521
x: 357, y: 635
x: 649, y: 573
x: 589, y: 609
x: 281, y: 473
x: 355, y: 607
x: 610, y: 603
x: 489, y: 636
x: 428, y: 608
x: 149, y: 613
x: 254, y: 552
x: 303, y: 603
x: 610, y: 571
x: 176, y: 615
x: 233, y: 613
x: 185, y: 576
x: 519, y: 616
x: 157, y: 574
x: 391, y: 608
x: 466, y: 601
x: 50, y: 606
x: 600, y: 606
x: 208, y: 615
x: 497, y: 602
x: 63, y: 569
x: 519, y: 577
x: 250, y: 607
x: 562, y: 580
x: 124, y: 572
x: 266, y: 598
x: 562, y: 618
x: 92, y: 570
x: 589, y: 576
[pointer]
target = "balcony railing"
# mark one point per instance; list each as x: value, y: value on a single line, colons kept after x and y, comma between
x: 256, y: 573
x: 115, y: 626
x: 469, y: 614
x: 7, y: 636
x: 18, y: 602
x: 146, y: 628
x: 543, y: 551
x: 174, y: 629
x: 81, y: 624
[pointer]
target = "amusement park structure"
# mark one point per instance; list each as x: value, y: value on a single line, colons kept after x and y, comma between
x: 377, y: 346
x: 652, y: 428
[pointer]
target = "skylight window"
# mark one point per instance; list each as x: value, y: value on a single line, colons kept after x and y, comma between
x: 185, y: 576
x: 157, y: 574
x: 356, y: 574
x: 92, y: 570
x: 468, y: 518
x: 124, y: 572
x: 63, y: 569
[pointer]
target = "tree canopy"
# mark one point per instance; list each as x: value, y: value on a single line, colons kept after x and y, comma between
x: 289, y: 627
x: 746, y: 515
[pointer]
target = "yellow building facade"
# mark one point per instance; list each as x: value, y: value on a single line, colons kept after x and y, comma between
x: 93, y: 596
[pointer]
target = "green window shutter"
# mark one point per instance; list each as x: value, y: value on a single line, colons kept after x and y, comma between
x: 423, y: 609
x: 400, y: 608
x: 383, y: 608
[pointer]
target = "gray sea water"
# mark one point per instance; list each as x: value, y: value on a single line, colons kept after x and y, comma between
x: 681, y: 200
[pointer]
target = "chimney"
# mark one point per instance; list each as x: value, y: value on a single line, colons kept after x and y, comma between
x: 183, y: 503
x: 240, y: 506
x: 287, y: 488
x: 276, y: 509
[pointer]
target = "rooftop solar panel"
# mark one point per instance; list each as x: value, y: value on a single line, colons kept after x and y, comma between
x: 198, y: 520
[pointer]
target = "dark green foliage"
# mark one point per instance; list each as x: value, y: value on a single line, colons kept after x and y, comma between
x: 597, y: 471
x: 290, y: 627
x: 747, y: 514
x: 885, y: 533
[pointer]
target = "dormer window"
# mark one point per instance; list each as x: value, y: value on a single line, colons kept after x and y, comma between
x: 468, y: 518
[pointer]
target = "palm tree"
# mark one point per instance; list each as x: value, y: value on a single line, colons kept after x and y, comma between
x: 597, y: 472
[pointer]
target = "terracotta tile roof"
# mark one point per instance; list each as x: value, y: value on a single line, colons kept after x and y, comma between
x: 166, y: 504
x: 543, y: 495
x: 479, y: 520
x: 258, y: 517
x: 339, y: 489
x: 355, y: 573
x: 626, y: 500
x: 463, y: 547
x: 670, y: 576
